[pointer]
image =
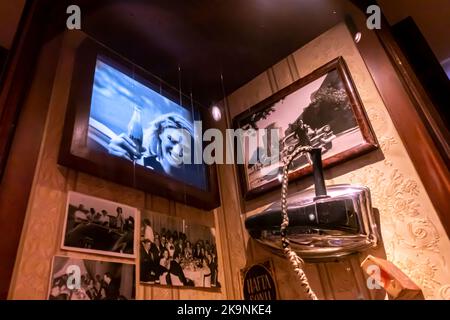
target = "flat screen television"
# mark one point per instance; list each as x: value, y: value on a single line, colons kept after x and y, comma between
x: 125, y: 125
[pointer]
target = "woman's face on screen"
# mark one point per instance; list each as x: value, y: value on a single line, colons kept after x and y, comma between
x: 174, y: 145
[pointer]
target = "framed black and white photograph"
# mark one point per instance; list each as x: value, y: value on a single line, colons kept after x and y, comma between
x: 81, y: 279
x: 322, y: 110
x: 95, y: 225
x: 128, y: 126
x: 176, y: 253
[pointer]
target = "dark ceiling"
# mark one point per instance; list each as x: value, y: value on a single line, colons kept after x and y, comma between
x: 207, y: 38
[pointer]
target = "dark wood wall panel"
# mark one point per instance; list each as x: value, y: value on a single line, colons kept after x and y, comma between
x: 19, y: 172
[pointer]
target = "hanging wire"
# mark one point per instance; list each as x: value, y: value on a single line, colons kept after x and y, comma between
x: 223, y: 92
x: 224, y: 108
x: 133, y: 76
x: 181, y: 105
x: 179, y: 86
x: 137, y: 67
x: 193, y: 117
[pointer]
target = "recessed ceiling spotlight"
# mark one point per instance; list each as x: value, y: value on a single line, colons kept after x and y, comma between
x: 216, y: 113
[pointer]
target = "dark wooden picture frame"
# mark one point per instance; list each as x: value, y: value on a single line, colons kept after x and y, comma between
x: 75, y: 151
x: 262, y: 111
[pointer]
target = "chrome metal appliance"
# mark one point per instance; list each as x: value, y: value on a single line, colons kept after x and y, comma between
x: 323, y: 222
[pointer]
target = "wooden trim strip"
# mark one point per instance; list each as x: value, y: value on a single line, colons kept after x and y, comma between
x: 377, y: 51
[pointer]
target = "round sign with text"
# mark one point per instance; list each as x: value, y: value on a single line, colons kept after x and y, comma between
x: 259, y: 284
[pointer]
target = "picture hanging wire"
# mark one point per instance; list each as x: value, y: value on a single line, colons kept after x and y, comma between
x: 137, y: 67
x: 225, y: 110
x: 179, y: 85
x: 181, y: 105
x: 223, y: 92
x: 133, y: 73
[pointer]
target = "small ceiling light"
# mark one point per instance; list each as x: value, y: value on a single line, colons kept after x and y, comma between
x: 357, y: 35
x: 216, y: 113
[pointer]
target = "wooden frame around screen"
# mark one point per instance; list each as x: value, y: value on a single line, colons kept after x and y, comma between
x: 75, y: 152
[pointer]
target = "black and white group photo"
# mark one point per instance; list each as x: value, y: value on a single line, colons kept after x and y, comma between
x: 100, y: 226
x: 79, y: 279
x: 174, y: 253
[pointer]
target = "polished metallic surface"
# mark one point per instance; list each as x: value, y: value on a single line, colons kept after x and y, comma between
x: 339, y: 224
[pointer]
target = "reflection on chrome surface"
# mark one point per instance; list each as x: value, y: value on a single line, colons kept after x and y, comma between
x: 334, y: 226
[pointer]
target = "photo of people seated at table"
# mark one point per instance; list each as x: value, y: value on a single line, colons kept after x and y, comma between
x: 78, y: 279
x: 97, y: 225
x: 174, y: 253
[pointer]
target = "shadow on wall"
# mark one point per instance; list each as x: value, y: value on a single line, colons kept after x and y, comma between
x: 3, y: 58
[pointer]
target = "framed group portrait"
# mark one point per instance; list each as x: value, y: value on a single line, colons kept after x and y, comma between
x: 176, y: 253
x: 321, y: 110
x: 128, y: 126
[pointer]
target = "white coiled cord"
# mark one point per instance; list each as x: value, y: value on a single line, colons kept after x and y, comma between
x: 295, y: 260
